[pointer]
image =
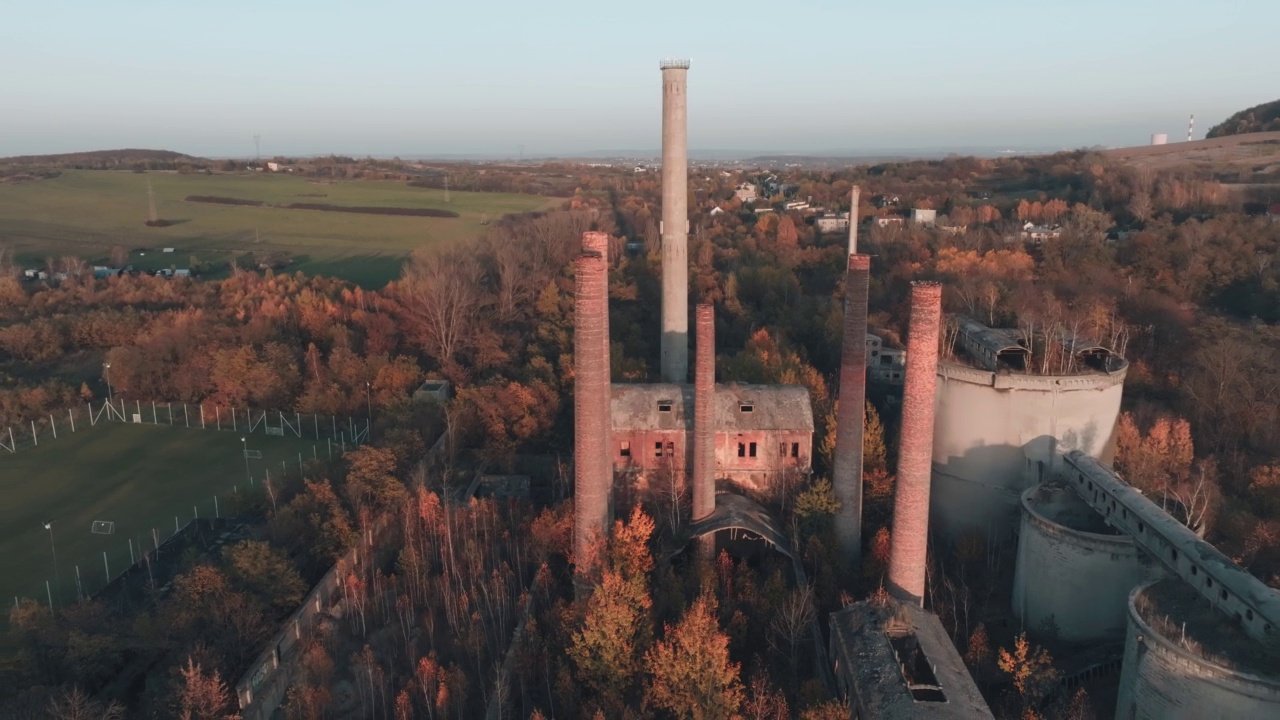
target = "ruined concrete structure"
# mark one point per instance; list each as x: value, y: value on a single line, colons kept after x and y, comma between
x: 592, y: 473
x: 1223, y: 583
x: 675, y: 222
x: 910, y: 540
x: 847, y: 473
x: 1001, y: 427
x: 760, y: 432
x: 1062, y: 537
x: 894, y: 660
x: 1191, y: 666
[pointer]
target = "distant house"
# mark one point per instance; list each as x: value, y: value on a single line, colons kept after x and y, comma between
x: 1037, y: 234
x: 763, y: 210
x: 832, y: 223
x: 884, y: 201
x: 273, y: 166
x: 746, y: 193
x: 797, y: 205
x: 887, y: 220
x: 100, y: 272
x: 885, y: 365
x: 1273, y: 212
x: 924, y: 216
x: 717, y: 210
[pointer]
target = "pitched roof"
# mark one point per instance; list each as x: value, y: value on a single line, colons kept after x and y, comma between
x: 738, y: 407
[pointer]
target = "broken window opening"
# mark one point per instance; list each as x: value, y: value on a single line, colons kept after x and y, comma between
x: 795, y: 450
x: 742, y: 450
x: 626, y: 449
x: 657, y: 449
x: 916, y: 667
x: 747, y: 407
x: 664, y: 406
x: 782, y: 449
x: 671, y: 449
x: 752, y: 450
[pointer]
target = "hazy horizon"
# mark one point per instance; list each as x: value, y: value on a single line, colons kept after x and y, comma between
x: 574, y: 78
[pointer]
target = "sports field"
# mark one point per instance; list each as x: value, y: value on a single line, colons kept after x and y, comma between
x: 88, y: 212
x: 137, y: 476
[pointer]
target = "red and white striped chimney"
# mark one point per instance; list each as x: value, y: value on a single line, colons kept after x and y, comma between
x: 704, y: 419
x: 908, y: 550
x: 847, y: 473
x: 592, y: 477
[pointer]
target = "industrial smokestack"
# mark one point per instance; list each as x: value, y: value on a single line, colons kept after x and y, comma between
x: 704, y: 419
x: 675, y: 222
x: 592, y: 477
x: 853, y: 220
x: 598, y: 242
x: 847, y: 473
x: 909, y: 547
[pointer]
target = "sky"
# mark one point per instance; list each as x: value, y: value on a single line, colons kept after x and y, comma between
x: 561, y: 77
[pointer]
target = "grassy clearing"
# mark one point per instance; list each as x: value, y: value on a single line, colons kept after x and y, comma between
x: 86, y: 213
x: 138, y: 476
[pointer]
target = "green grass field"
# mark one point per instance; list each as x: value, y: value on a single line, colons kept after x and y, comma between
x: 137, y: 476
x: 86, y: 213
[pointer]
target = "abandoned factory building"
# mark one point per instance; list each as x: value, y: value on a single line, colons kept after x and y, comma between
x: 761, y: 431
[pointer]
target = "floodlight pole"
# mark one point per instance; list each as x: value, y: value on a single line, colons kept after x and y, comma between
x: 244, y: 443
x: 53, y: 546
x: 106, y: 374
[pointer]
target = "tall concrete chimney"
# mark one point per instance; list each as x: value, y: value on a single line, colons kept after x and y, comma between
x: 853, y: 220
x: 847, y: 473
x: 675, y: 222
x: 909, y: 547
x: 704, y: 420
x: 592, y: 474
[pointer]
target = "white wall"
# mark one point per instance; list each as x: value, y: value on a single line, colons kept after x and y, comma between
x: 995, y: 435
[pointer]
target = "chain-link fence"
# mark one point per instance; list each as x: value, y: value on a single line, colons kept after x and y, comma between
x: 341, y: 430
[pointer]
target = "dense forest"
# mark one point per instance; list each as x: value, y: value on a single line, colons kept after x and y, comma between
x: 1259, y: 118
x: 1169, y: 261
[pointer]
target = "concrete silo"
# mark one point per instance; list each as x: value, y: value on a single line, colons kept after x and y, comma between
x: 1074, y: 572
x: 1002, y: 427
x: 1186, y: 660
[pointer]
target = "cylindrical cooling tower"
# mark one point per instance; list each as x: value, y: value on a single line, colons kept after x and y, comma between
x: 1184, y: 660
x: 998, y: 434
x: 1074, y: 573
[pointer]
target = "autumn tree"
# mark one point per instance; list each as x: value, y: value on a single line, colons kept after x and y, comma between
x: 267, y: 572
x: 1030, y: 669
x: 201, y: 695
x: 371, y: 482
x: 608, y: 650
x: 74, y: 703
x: 440, y: 297
x: 690, y: 673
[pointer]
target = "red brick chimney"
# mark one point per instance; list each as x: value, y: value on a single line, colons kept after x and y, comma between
x: 909, y: 547
x: 847, y: 473
x: 598, y: 242
x: 704, y: 419
x: 592, y: 473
